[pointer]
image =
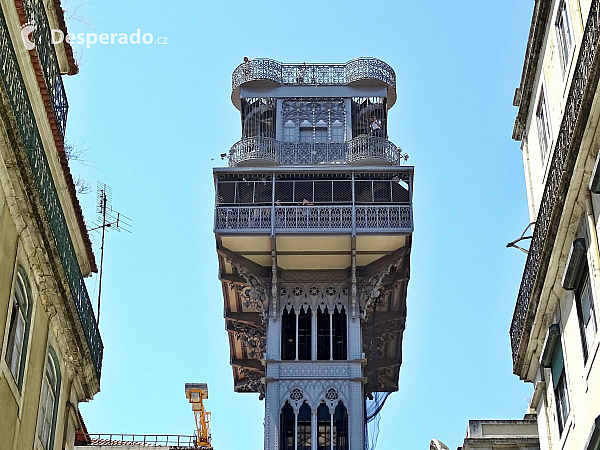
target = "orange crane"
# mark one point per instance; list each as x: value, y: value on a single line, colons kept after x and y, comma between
x: 195, y: 393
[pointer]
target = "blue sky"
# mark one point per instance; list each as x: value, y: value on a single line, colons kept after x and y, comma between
x: 153, y: 118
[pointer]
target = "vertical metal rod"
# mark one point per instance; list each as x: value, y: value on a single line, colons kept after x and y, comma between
x: 103, y: 200
x: 353, y: 206
x: 331, y: 431
x: 331, y: 334
x: 314, y: 339
x: 296, y: 427
x: 297, y: 314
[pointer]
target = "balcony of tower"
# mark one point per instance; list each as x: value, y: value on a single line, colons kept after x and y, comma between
x: 314, y: 114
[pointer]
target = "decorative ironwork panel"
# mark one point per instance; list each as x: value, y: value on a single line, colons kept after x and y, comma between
x: 15, y: 88
x: 36, y: 15
x: 256, y: 69
x: 313, y: 217
x: 363, y: 68
x: 316, y: 296
x: 254, y: 148
x: 557, y: 184
x: 292, y: 153
x: 313, y: 74
x: 364, y: 147
x: 317, y: 218
x: 383, y: 217
x: 243, y: 218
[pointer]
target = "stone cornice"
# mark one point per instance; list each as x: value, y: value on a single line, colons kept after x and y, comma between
x: 523, y: 94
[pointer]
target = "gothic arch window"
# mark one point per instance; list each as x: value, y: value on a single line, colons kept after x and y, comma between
x: 304, y: 334
x: 18, y: 332
x: 340, y: 334
x: 323, y: 334
x: 287, y: 427
x: 290, y: 131
x: 288, y: 335
x: 323, y: 428
x: 337, y: 131
x: 304, y: 435
x: 49, y: 400
x: 340, y: 427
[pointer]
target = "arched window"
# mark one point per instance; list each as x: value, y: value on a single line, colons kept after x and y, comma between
x: 340, y: 334
x: 323, y: 428
x: 49, y: 400
x: 337, y: 131
x: 323, y: 335
x: 288, y: 335
x: 18, y: 333
x: 287, y: 427
x: 304, y: 417
x: 340, y: 428
x: 304, y: 334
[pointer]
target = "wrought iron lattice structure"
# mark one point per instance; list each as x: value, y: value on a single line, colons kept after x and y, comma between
x: 314, y: 153
x: 320, y: 74
x: 15, y: 90
x: 313, y: 229
x: 36, y: 15
x: 565, y: 153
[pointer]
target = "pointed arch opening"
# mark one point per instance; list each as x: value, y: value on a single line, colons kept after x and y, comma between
x: 340, y: 334
x: 288, y: 335
x: 287, y: 422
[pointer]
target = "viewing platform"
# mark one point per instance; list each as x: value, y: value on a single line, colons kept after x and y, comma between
x: 363, y: 150
x: 269, y: 73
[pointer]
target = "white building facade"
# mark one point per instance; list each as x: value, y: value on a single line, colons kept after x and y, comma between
x: 555, y: 329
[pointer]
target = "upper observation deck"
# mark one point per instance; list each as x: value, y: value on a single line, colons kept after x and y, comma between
x: 269, y: 75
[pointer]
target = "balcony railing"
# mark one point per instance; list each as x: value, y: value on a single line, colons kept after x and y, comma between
x: 332, y: 218
x: 293, y: 153
x: 313, y: 74
x: 142, y: 440
x: 41, y: 34
x: 557, y: 185
x: 16, y: 91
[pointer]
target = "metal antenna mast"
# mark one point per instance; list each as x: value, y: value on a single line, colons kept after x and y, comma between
x: 108, y: 218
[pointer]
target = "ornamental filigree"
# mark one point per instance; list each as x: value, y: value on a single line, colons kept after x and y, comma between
x: 313, y: 111
x: 296, y: 398
x: 252, y: 382
x: 255, y: 293
x: 372, y: 289
x: 332, y: 398
x: 253, y: 337
x: 374, y: 343
x: 316, y: 296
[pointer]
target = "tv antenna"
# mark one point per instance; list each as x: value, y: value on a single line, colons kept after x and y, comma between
x: 108, y: 218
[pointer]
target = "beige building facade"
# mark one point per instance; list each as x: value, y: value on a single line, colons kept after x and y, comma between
x: 50, y: 346
x: 555, y: 328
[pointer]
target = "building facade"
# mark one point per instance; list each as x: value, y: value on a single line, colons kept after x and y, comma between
x: 50, y: 347
x: 313, y: 223
x: 554, y: 332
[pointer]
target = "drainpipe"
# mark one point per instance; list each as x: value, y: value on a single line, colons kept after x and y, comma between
x: 69, y: 406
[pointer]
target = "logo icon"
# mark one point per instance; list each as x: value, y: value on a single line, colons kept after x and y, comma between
x: 26, y: 30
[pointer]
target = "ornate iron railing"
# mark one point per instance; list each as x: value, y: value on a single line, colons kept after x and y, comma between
x: 282, y: 219
x: 555, y: 190
x: 144, y: 440
x: 17, y: 93
x: 313, y: 74
x: 36, y: 15
x: 359, y: 148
